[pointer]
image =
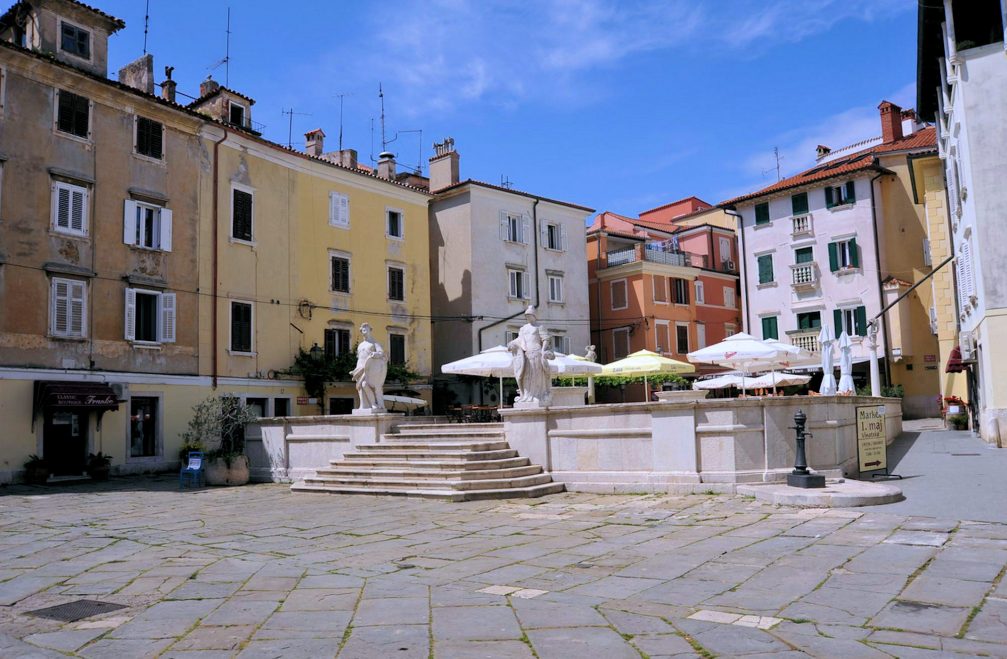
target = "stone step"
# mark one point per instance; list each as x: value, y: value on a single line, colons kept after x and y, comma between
x: 445, y: 495
x: 366, y: 461
x: 372, y: 482
x: 343, y: 470
x: 432, y: 436
x: 454, y: 445
x: 432, y: 454
x: 450, y: 427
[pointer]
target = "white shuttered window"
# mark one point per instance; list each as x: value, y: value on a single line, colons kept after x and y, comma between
x: 339, y: 210
x: 69, y: 208
x: 146, y: 225
x: 68, y: 308
x: 150, y: 316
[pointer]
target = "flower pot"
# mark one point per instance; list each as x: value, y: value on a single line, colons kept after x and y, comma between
x: 36, y: 475
x: 99, y: 473
x: 218, y: 472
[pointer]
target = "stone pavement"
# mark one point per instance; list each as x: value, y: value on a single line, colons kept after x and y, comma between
x: 259, y: 571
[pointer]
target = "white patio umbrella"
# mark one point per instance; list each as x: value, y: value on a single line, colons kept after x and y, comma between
x: 573, y: 365
x: 790, y: 356
x: 492, y: 362
x: 846, y: 385
x: 776, y: 379
x: 646, y: 362
x: 404, y: 403
x: 719, y: 382
x: 739, y: 351
x: 826, y: 339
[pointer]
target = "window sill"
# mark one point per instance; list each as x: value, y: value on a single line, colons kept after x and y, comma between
x: 765, y: 225
x: 151, y: 159
x: 74, y: 339
x: 69, y: 234
x: 841, y: 207
x: 240, y: 353
x: 847, y: 271
x: 768, y: 284
x: 142, y: 248
x: 75, y: 138
x: 391, y: 237
x: 145, y: 345
x: 558, y: 303
x: 345, y: 227
x: 342, y: 293
x: 515, y: 242
x: 240, y: 241
x: 553, y: 249
x: 392, y: 299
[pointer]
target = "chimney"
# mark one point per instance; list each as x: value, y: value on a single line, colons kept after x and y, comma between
x: 168, y: 90
x: 891, y: 121
x: 314, y: 140
x: 909, y: 121
x: 386, y: 165
x: 347, y: 158
x: 444, y: 165
x: 139, y: 74
x: 208, y: 86
x: 822, y: 151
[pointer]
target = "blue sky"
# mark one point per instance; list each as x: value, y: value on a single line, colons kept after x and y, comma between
x: 619, y: 106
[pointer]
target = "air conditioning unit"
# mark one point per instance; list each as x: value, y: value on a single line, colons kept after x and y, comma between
x: 967, y: 344
x: 729, y: 266
x: 121, y: 391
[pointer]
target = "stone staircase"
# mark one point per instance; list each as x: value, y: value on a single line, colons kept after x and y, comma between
x: 453, y: 462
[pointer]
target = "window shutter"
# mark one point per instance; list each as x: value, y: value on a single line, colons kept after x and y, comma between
x: 129, y: 222
x: 344, y: 210
x: 562, y: 237
x: 837, y: 317
x: 156, y: 140
x: 78, y: 207
x: 525, y: 230
x: 860, y: 321
x: 799, y: 203
x: 544, y: 234
x: 765, y: 268
x: 60, y: 307
x: 685, y: 291
x: 165, y: 230
x: 829, y: 203
x: 833, y: 257
x: 854, y: 253
x: 77, y: 312
x: 968, y: 282
x: 503, y: 227
x: 167, y: 303
x: 851, y: 192
x: 62, y: 206
x: 130, y: 320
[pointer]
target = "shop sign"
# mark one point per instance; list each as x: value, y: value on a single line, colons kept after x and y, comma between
x: 80, y: 399
x: 929, y: 358
x: 872, y: 451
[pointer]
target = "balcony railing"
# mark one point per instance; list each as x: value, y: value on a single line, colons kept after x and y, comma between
x: 623, y: 256
x: 802, y: 225
x: 804, y: 275
x: 807, y: 339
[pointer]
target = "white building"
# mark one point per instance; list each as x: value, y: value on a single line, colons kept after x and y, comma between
x: 962, y: 86
x: 493, y: 252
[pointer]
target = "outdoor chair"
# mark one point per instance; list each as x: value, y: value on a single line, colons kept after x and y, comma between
x: 192, y: 471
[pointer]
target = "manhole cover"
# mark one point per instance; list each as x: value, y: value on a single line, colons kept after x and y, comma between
x: 76, y: 610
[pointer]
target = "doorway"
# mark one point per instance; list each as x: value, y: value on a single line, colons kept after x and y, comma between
x: 64, y: 441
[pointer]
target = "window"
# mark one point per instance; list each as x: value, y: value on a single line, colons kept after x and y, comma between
x: 682, y: 338
x: 843, y: 255
x: 700, y: 293
x: 555, y: 288
x: 393, y: 223
x: 236, y: 114
x: 799, y: 203
x: 966, y: 280
x: 729, y: 298
x: 396, y: 284
x: 620, y: 343
x: 150, y: 316
x: 725, y: 249
x: 337, y: 342
x: 510, y: 335
x: 339, y: 210
x: 770, y: 328
x: 518, y: 285
x: 729, y: 329
x: 73, y: 114
x: 617, y: 290
x: 513, y: 228
x: 809, y: 320
x: 660, y: 285
x: 839, y: 195
x: 680, y: 291
x: 143, y: 427
x: 662, y: 337
x: 804, y: 255
x: 340, y: 274
x: 68, y: 314
x: 149, y: 138
x: 281, y: 407
x: 146, y: 225
x: 397, y: 348
x: 766, y: 275
x: 74, y: 40
x: 257, y: 406
x: 761, y: 214
x: 69, y: 208
x: 555, y: 237
x: 242, y: 203
x: 851, y: 321
x: 241, y: 327
x: 700, y: 336
x: 561, y: 343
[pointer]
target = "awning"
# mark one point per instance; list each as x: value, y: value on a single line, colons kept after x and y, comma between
x: 955, y: 364
x: 81, y: 396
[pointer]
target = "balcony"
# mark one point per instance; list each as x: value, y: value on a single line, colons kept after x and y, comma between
x: 801, y: 225
x: 623, y: 256
x: 804, y: 276
x: 807, y: 339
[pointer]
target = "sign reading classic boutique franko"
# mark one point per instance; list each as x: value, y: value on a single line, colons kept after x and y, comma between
x: 872, y: 451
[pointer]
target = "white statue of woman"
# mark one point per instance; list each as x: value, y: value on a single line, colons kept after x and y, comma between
x: 531, y: 352
x: 372, y: 366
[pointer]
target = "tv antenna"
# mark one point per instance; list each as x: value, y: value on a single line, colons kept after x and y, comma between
x: 227, y: 52
x: 341, y: 97
x: 146, y: 26
x: 779, y: 159
x: 505, y: 182
x: 290, y: 124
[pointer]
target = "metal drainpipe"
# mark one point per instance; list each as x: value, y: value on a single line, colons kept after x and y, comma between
x: 215, y: 350
x: 744, y: 265
x: 881, y: 289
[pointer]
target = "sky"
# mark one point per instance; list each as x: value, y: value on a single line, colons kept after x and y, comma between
x: 615, y: 105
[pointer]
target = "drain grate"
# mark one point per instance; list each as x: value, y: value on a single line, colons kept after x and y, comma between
x: 967, y: 455
x: 75, y: 610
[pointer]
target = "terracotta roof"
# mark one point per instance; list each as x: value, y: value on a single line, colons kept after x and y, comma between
x: 484, y: 184
x: 118, y: 21
x: 706, y: 205
x: 895, y: 281
x: 860, y: 161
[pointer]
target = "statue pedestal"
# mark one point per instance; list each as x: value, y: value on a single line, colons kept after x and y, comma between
x: 532, y: 405
x: 370, y: 412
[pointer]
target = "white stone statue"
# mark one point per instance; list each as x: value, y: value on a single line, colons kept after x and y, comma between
x: 590, y: 354
x: 531, y: 352
x: 372, y: 366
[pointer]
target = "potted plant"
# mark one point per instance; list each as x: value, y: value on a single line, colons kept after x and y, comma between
x: 218, y: 423
x: 98, y: 466
x: 958, y: 421
x: 36, y: 471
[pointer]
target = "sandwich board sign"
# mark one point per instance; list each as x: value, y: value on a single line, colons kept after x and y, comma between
x: 872, y: 451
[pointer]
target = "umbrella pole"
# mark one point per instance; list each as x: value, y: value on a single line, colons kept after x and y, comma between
x: 646, y: 389
x: 500, y: 402
x: 774, y: 381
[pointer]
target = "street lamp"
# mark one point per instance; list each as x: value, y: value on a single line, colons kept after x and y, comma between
x: 316, y: 353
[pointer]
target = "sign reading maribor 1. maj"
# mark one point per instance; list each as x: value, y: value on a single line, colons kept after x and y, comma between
x: 872, y: 451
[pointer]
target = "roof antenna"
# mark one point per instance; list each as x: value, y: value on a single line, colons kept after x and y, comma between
x: 779, y: 159
x: 290, y: 124
x: 227, y: 53
x: 341, y: 96
x: 381, y: 96
x: 505, y: 182
x: 146, y: 27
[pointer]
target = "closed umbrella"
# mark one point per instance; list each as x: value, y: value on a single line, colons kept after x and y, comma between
x: 739, y: 351
x: 825, y: 338
x: 846, y: 385
x: 495, y: 362
x: 646, y: 362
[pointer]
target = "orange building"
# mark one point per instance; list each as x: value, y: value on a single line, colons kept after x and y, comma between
x: 666, y: 282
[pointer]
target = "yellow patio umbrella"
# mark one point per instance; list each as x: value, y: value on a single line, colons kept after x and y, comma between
x: 647, y: 362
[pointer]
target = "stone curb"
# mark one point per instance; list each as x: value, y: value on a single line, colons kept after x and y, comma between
x: 837, y: 494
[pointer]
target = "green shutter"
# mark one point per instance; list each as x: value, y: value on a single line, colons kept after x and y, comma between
x: 833, y: 257
x: 851, y: 192
x: 837, y: 316
x: 765, y: 268
x: 769, y: 329
x: 854, y: 254
x: 829, y: 203
x: 762, y: 214
x: 804, y: 255
x: 799, y: 203
x: 860, y: 320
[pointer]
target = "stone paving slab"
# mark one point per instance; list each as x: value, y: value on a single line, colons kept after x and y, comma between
x: 569, y: 575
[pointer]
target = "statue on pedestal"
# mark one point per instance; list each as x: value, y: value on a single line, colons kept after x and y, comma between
x: 590, y: 354
x: 531, y: 352
x: 372, y: 366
